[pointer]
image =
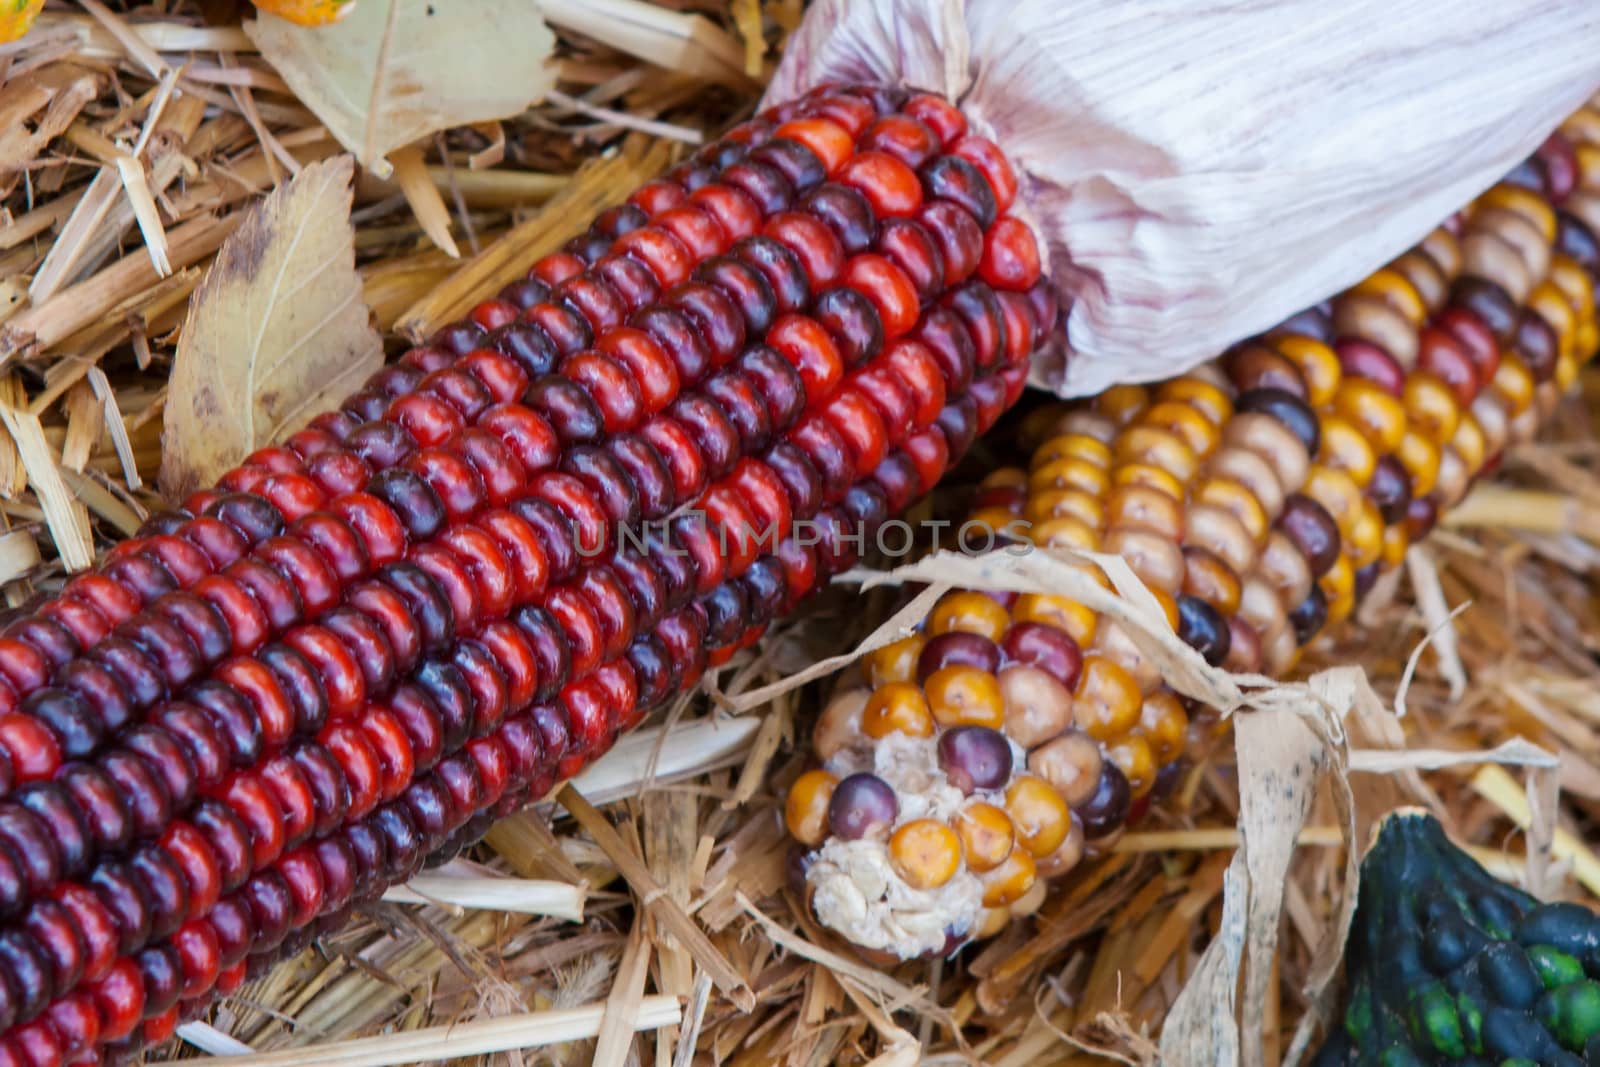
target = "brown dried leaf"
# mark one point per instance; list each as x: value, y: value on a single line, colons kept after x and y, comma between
x: 397, y: 70
x: 276, y: 331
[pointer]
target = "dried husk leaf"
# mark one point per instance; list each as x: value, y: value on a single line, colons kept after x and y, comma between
x: 394, y: 71
x: 277, y: 331
x: 1281, y: 759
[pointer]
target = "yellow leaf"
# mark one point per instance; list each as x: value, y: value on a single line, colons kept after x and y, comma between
x: 397, y: 70
x: 276, y: 332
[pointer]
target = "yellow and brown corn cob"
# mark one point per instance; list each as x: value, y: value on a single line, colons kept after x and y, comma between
x: 1258, y: 498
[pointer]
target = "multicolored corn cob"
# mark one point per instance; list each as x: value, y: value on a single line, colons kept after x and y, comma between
x: 439, y: 600
x: 1258, y: 497
x: 1448, y: 966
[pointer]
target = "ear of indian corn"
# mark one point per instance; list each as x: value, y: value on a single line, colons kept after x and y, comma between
x: 1447, y: 965
x: 1258, y: 497
x: 432, y: 604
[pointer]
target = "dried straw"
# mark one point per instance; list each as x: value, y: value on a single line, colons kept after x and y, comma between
x: 650, y: 897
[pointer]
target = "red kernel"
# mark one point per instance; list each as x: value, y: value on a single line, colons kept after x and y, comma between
x: 806, y: 345
x: 891, y: 187
x: 700, y: 233
x: 831, y: 142
x: 939, y: 115
x: 654, y: 374
x: 903, y: 137
x: 119, y: 997
x: 733, y: 209
x: 613, y: 389
x: 657, y: 196
x: 493, y: 314
x: 662, y: 253
x: 987, y: 157
x: 813, y: 242
x: 852, y: 415
x: 889, y: 289
x: 1010, y: 255
x: 552, y: 270
x: 30, y: 745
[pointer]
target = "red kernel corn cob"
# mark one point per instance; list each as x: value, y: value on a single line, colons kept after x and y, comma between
x: 434, y: 603
x: 1258, y: 498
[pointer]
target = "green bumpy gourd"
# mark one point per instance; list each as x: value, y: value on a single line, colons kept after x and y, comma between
x: 1446, y: 965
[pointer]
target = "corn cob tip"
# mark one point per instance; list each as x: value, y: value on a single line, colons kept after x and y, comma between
x: 911, y: 900
x: 1258, y: 498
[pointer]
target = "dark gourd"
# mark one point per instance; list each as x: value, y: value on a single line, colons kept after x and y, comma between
x: 1446, y: 965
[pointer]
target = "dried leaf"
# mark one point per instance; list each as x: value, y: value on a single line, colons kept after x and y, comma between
x: 397, y: 70
x: 276, y: 331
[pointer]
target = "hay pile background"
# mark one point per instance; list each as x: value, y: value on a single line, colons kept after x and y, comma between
x: 136, y: 138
